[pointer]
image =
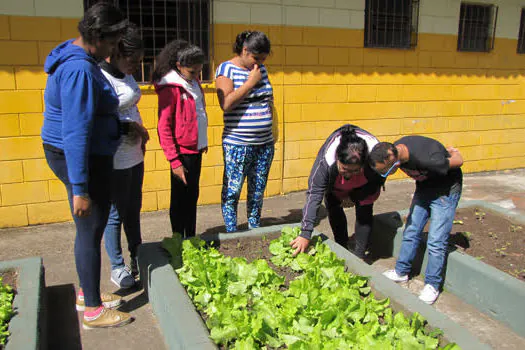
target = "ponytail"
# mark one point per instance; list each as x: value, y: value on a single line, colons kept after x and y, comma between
x: 352, y: 149
x: 255, y: 42
x: 175, y: 51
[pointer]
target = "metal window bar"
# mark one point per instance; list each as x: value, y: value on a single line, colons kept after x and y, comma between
x: 521, y: 35
x: 161, y: 21
x: 477, y: 27
x: 391, y: 23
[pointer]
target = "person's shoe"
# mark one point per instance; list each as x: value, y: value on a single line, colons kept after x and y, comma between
x: 106, y: 318
x: 122, y: 278
x: 429, y: 294
x: 392, y: 275
x: 108, y: 300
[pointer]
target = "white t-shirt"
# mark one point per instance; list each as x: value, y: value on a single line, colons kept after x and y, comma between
x: 129, y: 152
x: 194, y: 89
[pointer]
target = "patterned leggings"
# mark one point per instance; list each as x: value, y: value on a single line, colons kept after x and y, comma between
x: 240, y: 162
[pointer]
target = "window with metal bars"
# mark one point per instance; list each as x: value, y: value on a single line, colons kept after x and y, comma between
x: 161, y: 21
x: 391, y: 23
x: 521, y: 36
x: 477, y: 27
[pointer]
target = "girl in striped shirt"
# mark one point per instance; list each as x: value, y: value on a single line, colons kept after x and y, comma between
x: 246, y: 97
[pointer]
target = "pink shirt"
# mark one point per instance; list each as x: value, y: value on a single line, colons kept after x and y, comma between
x: 343, y: 187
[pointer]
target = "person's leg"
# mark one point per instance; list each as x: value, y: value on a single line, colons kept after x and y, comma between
x: 416, y: 221
x: 131, y: 213
x: 194, y: 162
x: 442, y: 213
x: 337, y: 219
x: 112, y: 235
x: 91, y: 228
x: 257, y: 175
x: 177, y: 204
x: 364, y: 218
x: 232, y: 181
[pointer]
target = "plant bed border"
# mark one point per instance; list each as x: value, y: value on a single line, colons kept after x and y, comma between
x: 489, y: 289
x: 27, y: 325
x: 183, y: 327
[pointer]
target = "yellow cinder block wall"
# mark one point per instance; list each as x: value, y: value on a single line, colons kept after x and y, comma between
x: 322, y: 78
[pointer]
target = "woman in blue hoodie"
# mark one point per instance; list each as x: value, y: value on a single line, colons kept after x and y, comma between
x: 80, y: 136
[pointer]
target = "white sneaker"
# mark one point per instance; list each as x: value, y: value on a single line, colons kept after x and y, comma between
x: 392, y: 275
x: 429, y: 294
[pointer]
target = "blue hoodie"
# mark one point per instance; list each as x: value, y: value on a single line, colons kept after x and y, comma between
x: 81, y: 111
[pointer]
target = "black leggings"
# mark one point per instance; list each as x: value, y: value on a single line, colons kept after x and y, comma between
x: 183, y: 206
x: 364, y: 217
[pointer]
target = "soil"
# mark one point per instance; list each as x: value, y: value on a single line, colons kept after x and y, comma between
x: 253, y: 248
x: 9, y: 277
x: 490, y: 238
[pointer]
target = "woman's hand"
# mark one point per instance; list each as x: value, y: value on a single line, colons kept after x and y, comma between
x: 255, y: 76
x: 137, y: 130
x: 81, y: 206
x: 180, y: 172
x: 299, y: 244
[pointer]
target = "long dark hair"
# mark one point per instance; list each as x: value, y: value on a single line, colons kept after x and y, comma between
x: 176, y: 51
x: 254, y: 41
x: 352, y: 149
x: 100, y: 21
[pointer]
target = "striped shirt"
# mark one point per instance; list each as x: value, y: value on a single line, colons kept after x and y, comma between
x: 250, y: 122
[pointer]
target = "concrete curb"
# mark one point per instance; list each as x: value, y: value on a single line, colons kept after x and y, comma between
x: 490, y: 290
x: 26, y: 326
x: 183, y: 328
x: 180, y: 323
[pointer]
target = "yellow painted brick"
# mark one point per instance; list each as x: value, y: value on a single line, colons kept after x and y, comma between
x: 292, y: 112
x: 362, y: 93
x: 371, y: 57
x: 422, y: 125
x: 300, y: 55
x: 20, y: 101
x: 331, y: 94
x: 315, y: 36
x: 510, y: 163
x: 316, y: 75
x: 9, y: 125
x: 19, y: 52
x: 57, y: 190
x: 14, y: 216
x: 275, y: 34
x: 222, y: 34
x: 37, y: 170
x: 149, y: 201
x: 7, y: 78
x: 207, y: 176
x: 273, y: 188
x: 457, y: 139
x: 330, y: 56
x: 412, y: 59
x: 163, y: 199
x: 292, y: 75
x: 297, y: 167
x: 161, y: 163
x: 278, y: 95
x: 391, y: 58
x: 219, y: 174
x: 290, y: 185
x: 298, y: 131
x: 149, y: 161
x: 35, y: 28
x: 292, y: 35
x: 276, y: 56
x: 31, y: 124
x: 393, y: 109
x: 347, y: 75
x: 389, y: 93
x: 149, y: 118
x: 210, y: 194
x: 275, y: 170
x: 4, y: 27
x: 443, y: 59
x: 291, y: 150
x: 148, y: 100
x: 68, y: 28
x: 309, y: 149
x: 382, y: 127
x: 156, y: 180
x: 24, y: 193
x: 302, y: 183
x: 222, y: 52
x: 355, y: 57
x: 21, y: 148
x: 11, y: 172
x: 215, y: 115
x: 44, y: 213
x: 153, y: 143
x: 459, y: 123
x: 300, y: 94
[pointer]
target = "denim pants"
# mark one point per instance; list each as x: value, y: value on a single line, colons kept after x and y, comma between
x: 89, y: 228
x: 441, y: 211
x: 240, y: 162
x: 126, y: 202
x: 184, y: 197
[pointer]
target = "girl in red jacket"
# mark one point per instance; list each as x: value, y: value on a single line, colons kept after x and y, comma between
x: 182, y: 127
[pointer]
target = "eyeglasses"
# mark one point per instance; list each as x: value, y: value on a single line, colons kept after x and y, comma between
x: 392, y: 168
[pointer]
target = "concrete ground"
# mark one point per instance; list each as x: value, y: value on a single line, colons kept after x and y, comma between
x: 54, y: 243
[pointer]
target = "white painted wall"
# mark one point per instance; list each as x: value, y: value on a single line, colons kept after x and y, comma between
x: 435, y: 16
x: 42, y: 8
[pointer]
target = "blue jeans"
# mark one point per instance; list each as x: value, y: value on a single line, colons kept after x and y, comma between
x: 441, y: 211
x: 126, y: 202
x: 89, y: 228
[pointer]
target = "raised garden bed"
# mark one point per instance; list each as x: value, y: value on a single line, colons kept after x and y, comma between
x: 7, y: 291
x: 178, y: 328
x: 25, y: 327
x: 491, y: 290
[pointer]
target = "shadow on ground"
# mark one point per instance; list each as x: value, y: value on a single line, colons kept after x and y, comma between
x: 62, y: 320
